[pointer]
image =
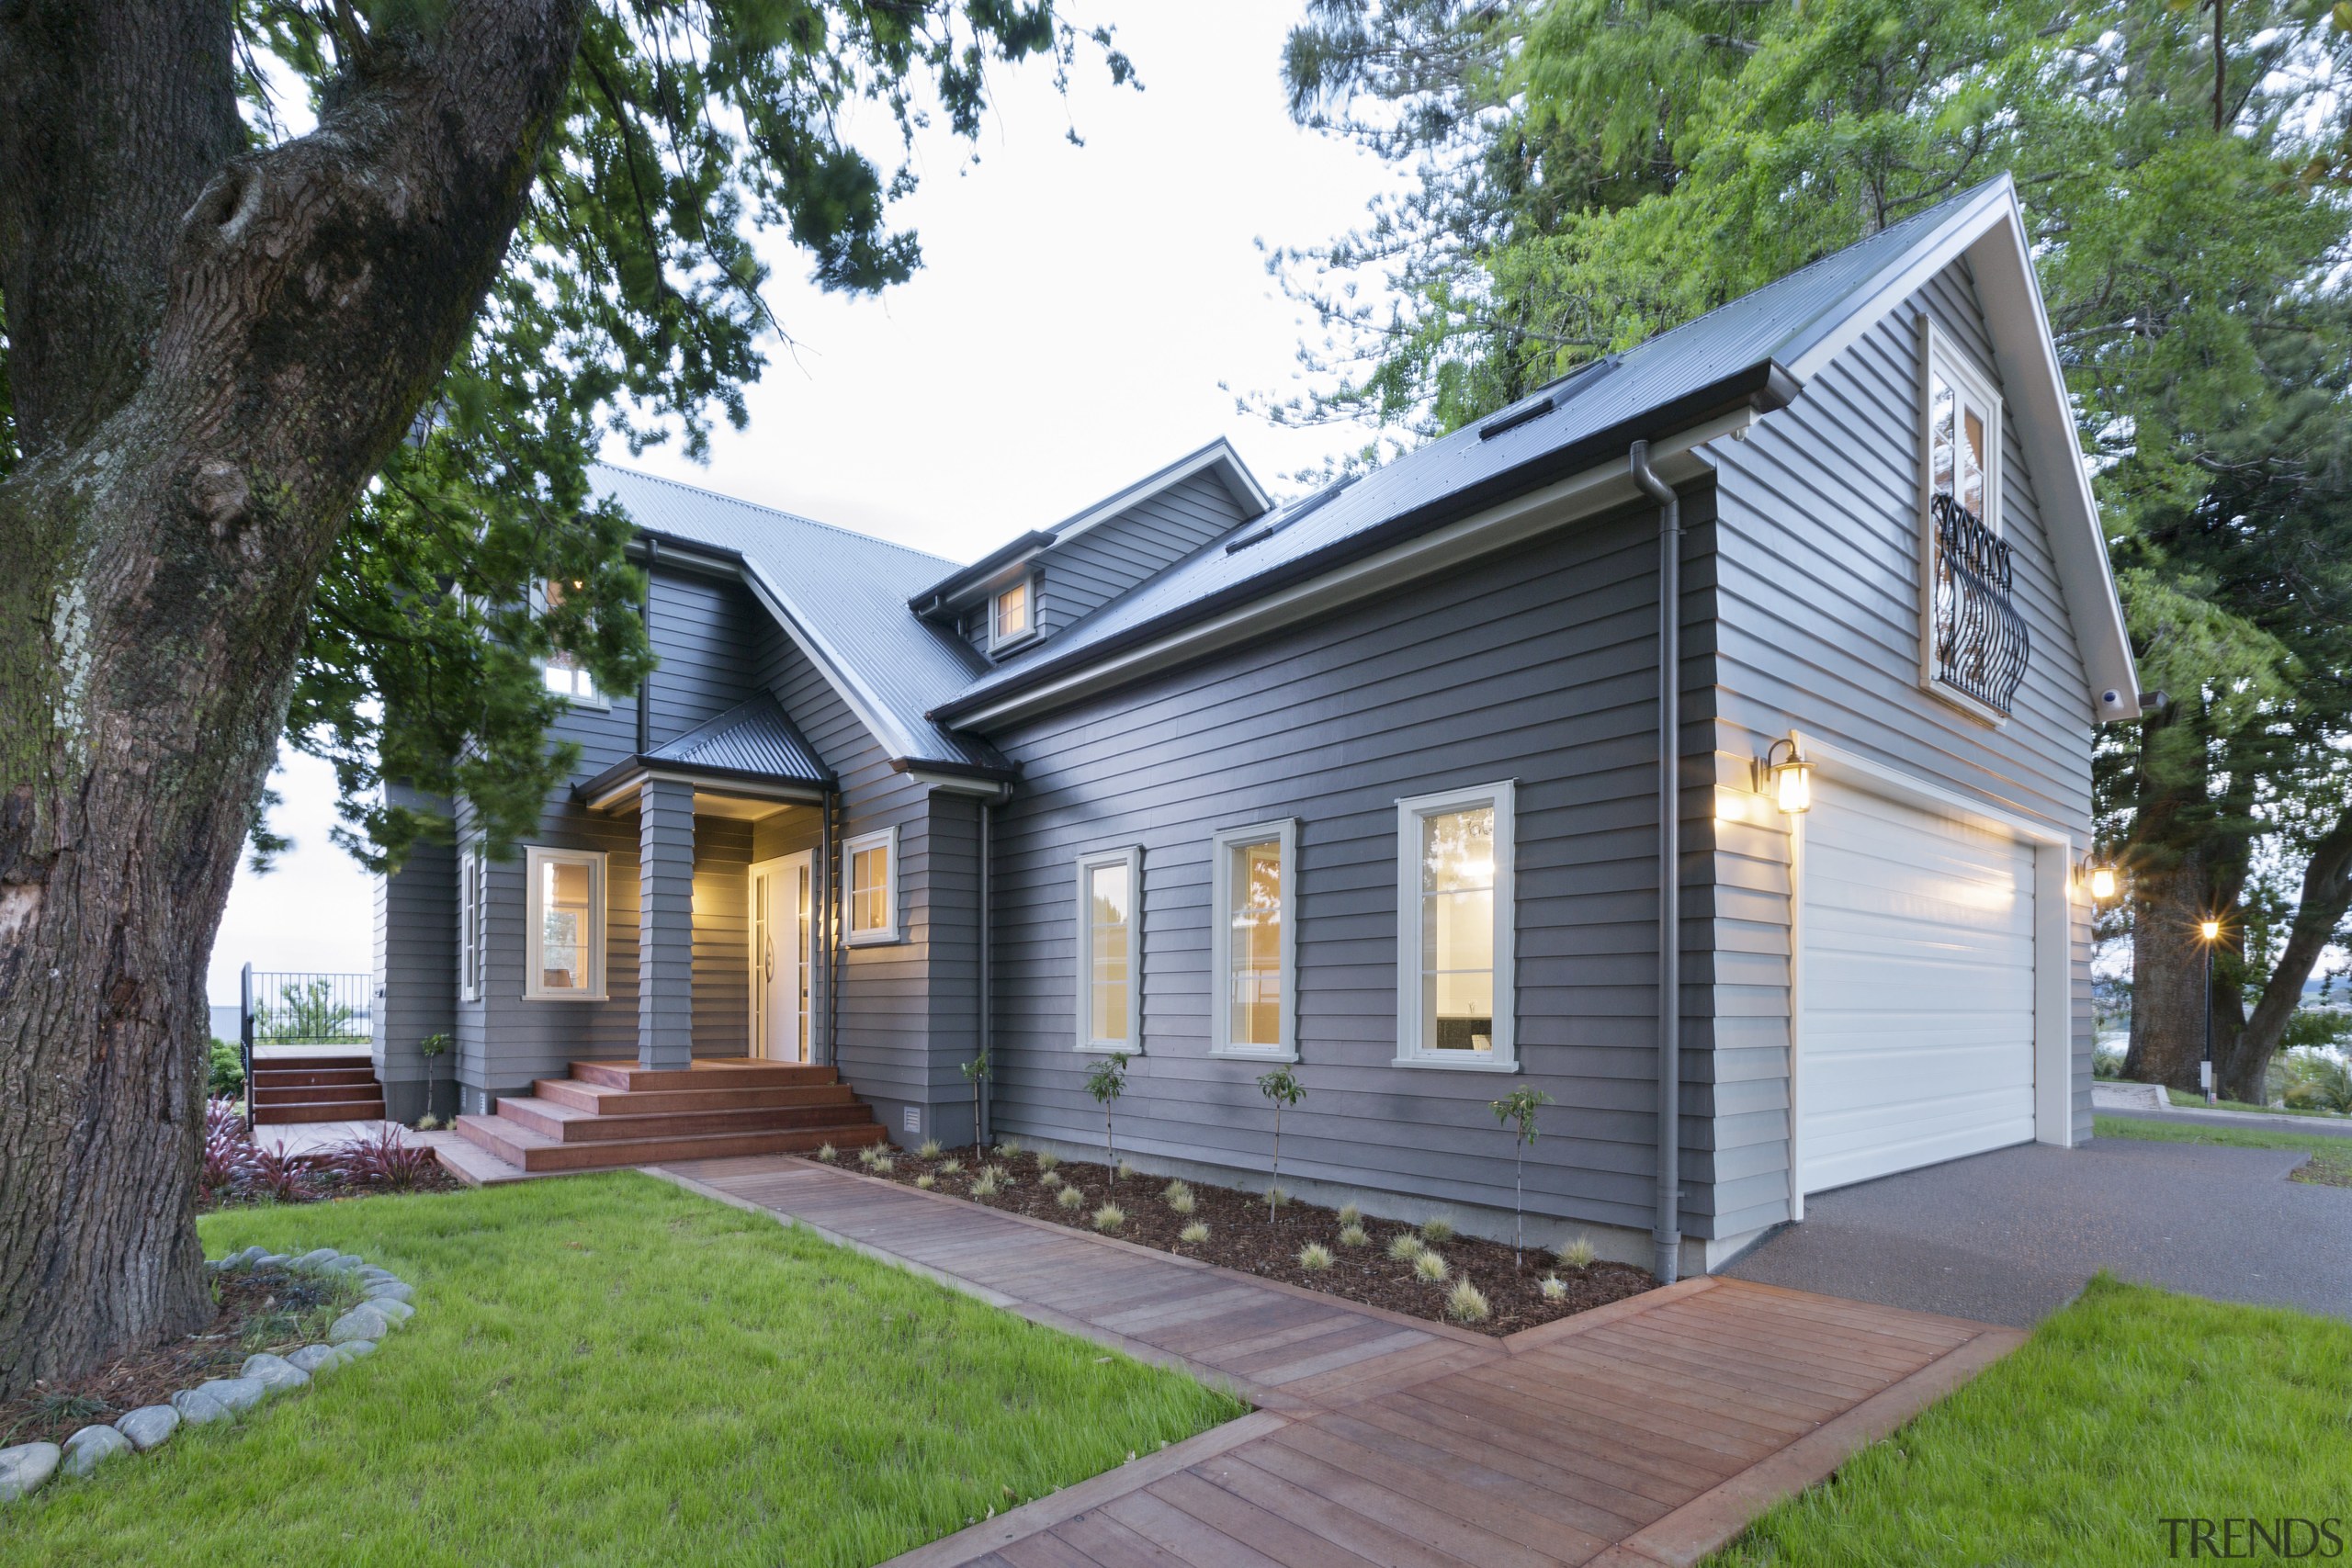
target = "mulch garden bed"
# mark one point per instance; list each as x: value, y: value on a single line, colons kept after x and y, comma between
x: 262, y: 1309
x: 1240, y: 1237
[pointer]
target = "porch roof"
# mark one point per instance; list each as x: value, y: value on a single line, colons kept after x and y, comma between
x: 751, y: 743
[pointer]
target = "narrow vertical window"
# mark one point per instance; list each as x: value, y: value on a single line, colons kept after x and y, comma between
x: 1110, y: 1012
x: 566, y: 961
x: 1454, y: 929
x: 563, y: 671
x: 1014, y: 613
x: 473, y: 908
x: 1974, y: 644
x: 870, y: 863
x: 1253, y: 881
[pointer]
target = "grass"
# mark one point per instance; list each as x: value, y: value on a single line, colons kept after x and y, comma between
x: 2193, y: 1100
x: 2130, y: 1406
x: 2330, y: 1165
x: 608, y: 1370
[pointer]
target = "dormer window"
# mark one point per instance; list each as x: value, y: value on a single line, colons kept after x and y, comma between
x: 1014, y: 614
x: 1973, y: 644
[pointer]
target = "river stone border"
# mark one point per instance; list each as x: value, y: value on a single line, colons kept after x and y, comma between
x: 386, y: 1301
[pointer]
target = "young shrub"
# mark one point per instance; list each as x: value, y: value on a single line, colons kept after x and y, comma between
x: 1178, y: 1197
x: 1106, y: 1081
x: 827, y: 1153
x: 929, y: 1149
x: 1051, y: 1179
x: 1354, y: 1236
x: 1069, y: 1196
x: 1467, y: 1303
x: 1350, y: 1215
x: 1047, y: 1160
x: 1577, y: 1254
x: 1430, y: 1267
x: 383, y: 1159
x: 1282, y: 1089
x: 976, y: 1073
x: 1518, y: 1108
x: 274, y: 1174
x: 1437, y: 1230
x: 1193, y: 1234
x: 228, y: 1145
x: 926, y: 1181
x: 1315, y: 1257
x: 985, y: 1184
x: 951, y: 1168
x: 1110, y: 1217
x: 1553, y: 1288
x: 1407, y: 1247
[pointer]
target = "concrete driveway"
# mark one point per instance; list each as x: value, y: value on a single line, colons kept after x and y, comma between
x: 2012, y: 1235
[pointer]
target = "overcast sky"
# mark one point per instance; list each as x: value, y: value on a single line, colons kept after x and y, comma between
x: 1078, y: 319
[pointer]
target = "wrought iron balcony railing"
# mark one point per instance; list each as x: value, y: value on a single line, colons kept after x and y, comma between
x: 1981, y: 642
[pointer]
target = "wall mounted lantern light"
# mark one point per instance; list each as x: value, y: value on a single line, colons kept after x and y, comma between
x: 1792, y: 776
x: 2097, y: 879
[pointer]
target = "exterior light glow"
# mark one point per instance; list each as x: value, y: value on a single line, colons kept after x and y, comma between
x: 1792, y: 776
x: 2209, y: 930
x: 2102, y: 883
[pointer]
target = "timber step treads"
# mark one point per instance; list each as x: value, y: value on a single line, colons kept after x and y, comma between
x: 315, y: 1089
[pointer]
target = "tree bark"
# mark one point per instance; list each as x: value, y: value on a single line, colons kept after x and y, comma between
x: 2243, y: 1073
x: 212, y: 350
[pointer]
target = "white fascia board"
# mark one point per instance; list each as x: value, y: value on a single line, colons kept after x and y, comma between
x: 1217, y: 454
x: 1990, y: 233
x: 1580, y: 495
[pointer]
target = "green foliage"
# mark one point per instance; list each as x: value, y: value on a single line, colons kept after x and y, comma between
x: 1520, y: 1107
x: 627, y: 309
x: 224, y: 1070
x: 308, y: 1014
x: 437, y: 1044
x: 1282, y: 1087
x: 2317, y: 1081
x: 1107, y: 1080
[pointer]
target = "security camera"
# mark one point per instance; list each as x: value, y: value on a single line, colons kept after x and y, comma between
x: 2110, y: 698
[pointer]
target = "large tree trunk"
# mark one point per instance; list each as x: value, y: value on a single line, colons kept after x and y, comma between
x: 2244, y: 1071
x: 2169, y: 972
x: 211, y: 351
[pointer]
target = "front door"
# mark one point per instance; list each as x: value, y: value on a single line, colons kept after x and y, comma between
x: 780, y: 915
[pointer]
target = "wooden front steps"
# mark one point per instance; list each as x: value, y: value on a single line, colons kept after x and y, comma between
x: 612, y: 1113
x: 315, y: 1089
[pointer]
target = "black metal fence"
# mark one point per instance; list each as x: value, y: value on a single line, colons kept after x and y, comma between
x: 296, y: 1007
x: 1982, y: 645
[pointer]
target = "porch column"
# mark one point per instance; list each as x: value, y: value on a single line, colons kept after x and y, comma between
x: 665, y: 936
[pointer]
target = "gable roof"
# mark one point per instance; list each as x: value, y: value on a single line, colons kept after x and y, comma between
x: 842, y: 597
x: 1707, y: 376
x: 1218, y: 457
x: 754, y: 738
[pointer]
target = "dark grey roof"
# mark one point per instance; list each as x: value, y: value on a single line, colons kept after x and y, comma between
x: 846, y: 595
x: 1680, y: 378
x: 753, y: 741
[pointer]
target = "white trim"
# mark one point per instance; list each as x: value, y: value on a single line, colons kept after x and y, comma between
x: 852, y: 692
x: 473, y: 888
x: 889, y: 930
x: 1027, y: 583
x: 627, y: 789
x: 1083, y: 953
x: 2054, y: 893
x: 1284, y: 833
x: 1411, y: 1050
x: 1218, y: 453
x: 997, y: 790
x: 534, y: 927
x: 1941, y: 355
x: 1505, y: 526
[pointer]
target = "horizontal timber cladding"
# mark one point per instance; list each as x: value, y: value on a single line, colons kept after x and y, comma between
x: 1093, y: 568
x: 416, y: 950
x: 1537, y: 666
x: 1819, y: 629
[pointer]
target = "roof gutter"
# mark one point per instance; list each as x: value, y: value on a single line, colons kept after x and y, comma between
x: 943, y: 595
x: 1760, y: 388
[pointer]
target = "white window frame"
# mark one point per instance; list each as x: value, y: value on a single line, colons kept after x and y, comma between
x: 1939, y: 356
x: 533, y: 962
x: 474, y: 899
x: 585, y: 693
x: 1028, y: 585
x: 1083, y: 1013
x: 887, y: 838
x: 1283, y: 833
x: 1412, y: 1051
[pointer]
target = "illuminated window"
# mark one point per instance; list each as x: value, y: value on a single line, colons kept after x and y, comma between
x: 1974, y: 643
x: 566, y: 957
x: 1014, y: 615
x: 473, y: 900
x: 1254, y: 892
x: 1110, y: 993
x: 563, y: 671
x: 1454, y: 982
x: 870, y: 867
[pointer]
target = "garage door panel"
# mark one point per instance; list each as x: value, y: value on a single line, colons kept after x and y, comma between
x: 1918, y: 1010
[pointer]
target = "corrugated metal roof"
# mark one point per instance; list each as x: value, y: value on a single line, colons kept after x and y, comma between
x: 753, y: 738
x: 1771, y: 326
x: 846, y: 594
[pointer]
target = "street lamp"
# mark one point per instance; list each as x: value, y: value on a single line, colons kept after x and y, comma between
x: 2211, y: 931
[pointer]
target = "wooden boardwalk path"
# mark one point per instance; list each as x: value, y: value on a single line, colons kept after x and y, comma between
x: 1643, y: 1433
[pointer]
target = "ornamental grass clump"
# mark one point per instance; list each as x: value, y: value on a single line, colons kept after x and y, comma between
x: 1110, y: 1217
x: 1069, y: 1196
x: 1429, y: 1266
x: 1354, y: 1236
x: 929, y: 1149
x: 1193, y: 1234
x: 1437, y: 1230
x: 827, y: 1153
x: 951, y: 1168
x: 985, y: 1185
x: 1051, y: 1179
x: 1047, y: 1160
x: 1178, y: 1197
x: 1467, y: 1303
x: 1405, y: 1248
x: 1009, y: 1148
x: 1350, y: 1215
x: 926, y: 1181
x: 1578, y: 1254
x: 883, y: 1165
x: 1315, y: 1257
x: 1554, y: 1289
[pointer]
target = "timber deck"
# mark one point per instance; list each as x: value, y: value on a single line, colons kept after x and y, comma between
x: 1643, y: 1433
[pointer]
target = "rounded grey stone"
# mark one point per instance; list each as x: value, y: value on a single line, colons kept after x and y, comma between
x: 389, y: 1291
x: 345, y: 1263
x: 310, y: 1358
x: 237, y: 1393
x: 199, y: 1407
x: 352, y: 1349
x: 26, y: 1469
x: 362, y: 1321
x: 91, y: 1446
x: 394, y: 1312
x: 148, y: 1425
x: 272, y: 1260
x: 318, y: 1257
x: 274, y: 1372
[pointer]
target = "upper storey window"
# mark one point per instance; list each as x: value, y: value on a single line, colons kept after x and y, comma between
x: 1014, y: 614
x: 1973, y: 644
x: 563, y: 671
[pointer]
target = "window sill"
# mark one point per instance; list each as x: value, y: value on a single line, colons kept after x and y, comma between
x: 873, y: 938
x: 1231, y: 1054
x: 1012, y: 644
x: 565, y: 996
x: 1992, y: 718
x: 1107, y: 1048
x: 1446, y: 1064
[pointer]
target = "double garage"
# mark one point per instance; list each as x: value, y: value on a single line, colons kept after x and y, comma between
x: 1932, y: 983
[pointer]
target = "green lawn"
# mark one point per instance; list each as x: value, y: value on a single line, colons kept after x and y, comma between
x: 606, y: 1369
x: 2330, y: 1165
x: 2128, y: 1407
x: 2191, y: 1099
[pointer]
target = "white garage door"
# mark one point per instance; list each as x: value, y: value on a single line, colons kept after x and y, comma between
x: 1916, y: 1041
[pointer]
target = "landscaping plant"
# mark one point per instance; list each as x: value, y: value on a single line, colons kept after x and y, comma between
x: 1518, y: 1110
x: 1283, y: 1088
x: 1106, y: 1081
x: 976, y: 1073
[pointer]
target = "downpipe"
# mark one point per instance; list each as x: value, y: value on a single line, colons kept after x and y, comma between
x: 1665, y: 1234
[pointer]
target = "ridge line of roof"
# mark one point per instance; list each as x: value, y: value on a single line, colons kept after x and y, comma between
x: 859, y: 534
